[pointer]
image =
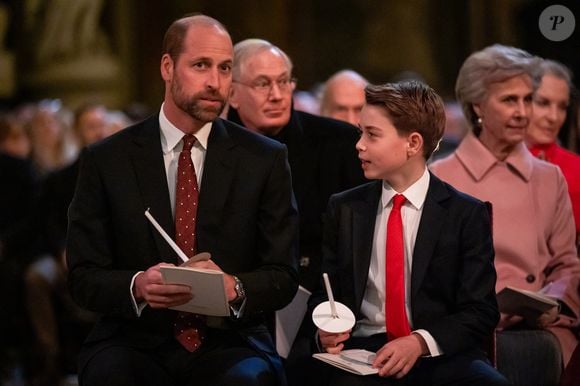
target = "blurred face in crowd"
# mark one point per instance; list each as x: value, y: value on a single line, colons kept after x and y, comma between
x: 15, y: 142
x: 344, y: 100
x: 263, y: 95
x: 45, y: 129
x: 198, y: 81
x: 92, y: 125
x: 505, y: 113
x: 551, y: 102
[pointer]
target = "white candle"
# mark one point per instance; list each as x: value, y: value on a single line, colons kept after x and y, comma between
x: 333, y: 312
x: 171, y: 243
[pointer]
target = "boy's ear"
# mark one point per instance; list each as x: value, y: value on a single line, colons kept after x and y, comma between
x: 414, y: 144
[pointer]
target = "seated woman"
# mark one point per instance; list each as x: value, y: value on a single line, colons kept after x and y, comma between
x: 551, y: 103
x: 533, y: 226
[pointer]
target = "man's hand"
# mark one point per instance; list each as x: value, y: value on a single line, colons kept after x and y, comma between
x: 228, y: 279
x: 333, y: 342
x: 397, y: 358
x: 149, y: 287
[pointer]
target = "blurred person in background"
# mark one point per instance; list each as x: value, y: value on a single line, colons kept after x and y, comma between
x: 116, y: 121
x: 551, y: 105
x: 48, y: 301
x: 305, y: 101
x: 18, y: 190
x: 51, y: 145
x: 343, y: 96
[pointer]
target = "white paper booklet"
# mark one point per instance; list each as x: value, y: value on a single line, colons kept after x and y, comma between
x: 207, y: 287
x: 288, y: 321
x: 355, y: 361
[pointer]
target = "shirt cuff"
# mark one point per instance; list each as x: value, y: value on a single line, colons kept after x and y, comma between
x: 238, y: 309
x: 434, y: 349
x: 138, y: 308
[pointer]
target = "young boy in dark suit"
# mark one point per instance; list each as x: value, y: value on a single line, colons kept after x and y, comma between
x: 411, y: 256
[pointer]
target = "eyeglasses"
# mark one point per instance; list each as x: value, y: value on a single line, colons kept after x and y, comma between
x: 264, y: 85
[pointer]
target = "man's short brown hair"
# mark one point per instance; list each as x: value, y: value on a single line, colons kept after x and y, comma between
x: 411, y: 106
x: 175, y: 34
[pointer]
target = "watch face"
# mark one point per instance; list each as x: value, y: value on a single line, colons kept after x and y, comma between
x: 239, y: 288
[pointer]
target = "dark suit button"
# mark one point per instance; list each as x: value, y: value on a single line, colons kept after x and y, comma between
x: 530, y: 278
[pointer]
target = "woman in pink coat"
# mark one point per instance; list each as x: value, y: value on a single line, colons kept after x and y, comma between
x: 533, y: 227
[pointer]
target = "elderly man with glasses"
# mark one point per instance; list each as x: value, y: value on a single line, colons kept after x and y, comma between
x: 321, y: 151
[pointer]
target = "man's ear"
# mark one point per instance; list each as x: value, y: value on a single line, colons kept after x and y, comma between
x: 166, y: 67
x: 233, y: 100
x: 414, y: 143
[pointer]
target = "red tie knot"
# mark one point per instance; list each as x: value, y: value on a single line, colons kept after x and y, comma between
x: 398, y: 201
x: 188, y: 141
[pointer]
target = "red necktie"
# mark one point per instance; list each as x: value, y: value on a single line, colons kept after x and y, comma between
x: 189, y: 328
x: 396, y: 316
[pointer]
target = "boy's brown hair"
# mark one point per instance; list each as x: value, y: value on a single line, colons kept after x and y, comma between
x: 412, y: 107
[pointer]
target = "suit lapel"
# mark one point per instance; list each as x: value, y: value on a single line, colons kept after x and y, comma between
x: 428, y: 232
x: 217, y: 177
x: 364, y: 217
x: 147, y: 159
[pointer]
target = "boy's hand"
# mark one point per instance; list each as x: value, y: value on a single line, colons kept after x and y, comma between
x: 397, y: 358
x: 332, y: 342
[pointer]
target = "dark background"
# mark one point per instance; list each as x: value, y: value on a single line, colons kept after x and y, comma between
x: 379, y: 39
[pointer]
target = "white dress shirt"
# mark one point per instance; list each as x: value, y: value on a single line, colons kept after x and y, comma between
x: 373, y: 304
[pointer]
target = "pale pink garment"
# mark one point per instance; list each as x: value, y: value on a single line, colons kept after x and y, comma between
x: 533, y: 226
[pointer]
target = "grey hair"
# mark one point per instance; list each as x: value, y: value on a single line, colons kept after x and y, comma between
x: 247, y: 48
x: 496, y: 63
x: 557, y: 69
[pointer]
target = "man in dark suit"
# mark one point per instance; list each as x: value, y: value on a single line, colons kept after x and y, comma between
x: 422, y: 291
x: 246, y: 219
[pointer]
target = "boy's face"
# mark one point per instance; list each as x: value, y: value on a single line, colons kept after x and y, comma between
x: 382, y: 151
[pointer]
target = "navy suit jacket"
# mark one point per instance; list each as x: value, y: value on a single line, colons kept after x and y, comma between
x: 453, y: 277
x: 247, y: 219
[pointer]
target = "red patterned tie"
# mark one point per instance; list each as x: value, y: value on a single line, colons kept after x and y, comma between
x: 189, y: 328
x: 396, y: 315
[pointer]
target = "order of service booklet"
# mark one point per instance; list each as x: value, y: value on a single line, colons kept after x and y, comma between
x: 356, y: 361
x: 518, y: 301
x: 207, y: 287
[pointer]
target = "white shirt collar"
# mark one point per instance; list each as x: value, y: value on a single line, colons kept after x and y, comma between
x: 171, y: 135
x: 415, y: 194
